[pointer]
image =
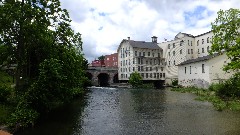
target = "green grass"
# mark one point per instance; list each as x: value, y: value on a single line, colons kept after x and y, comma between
x: 5, y: 111
x: 207, y: 95
x: 5, y: 79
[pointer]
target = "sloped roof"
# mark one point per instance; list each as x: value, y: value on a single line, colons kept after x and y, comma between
x: 198, y: 59
x: 143, y: 44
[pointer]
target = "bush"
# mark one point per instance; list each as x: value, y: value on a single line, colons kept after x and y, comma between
x: 175, y: 82
x: 135, y: 79
x: 5, y: 93
x: 231, y: 87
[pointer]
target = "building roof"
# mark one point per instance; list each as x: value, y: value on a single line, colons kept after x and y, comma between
x: 198, y: 59
x: 143, y: 44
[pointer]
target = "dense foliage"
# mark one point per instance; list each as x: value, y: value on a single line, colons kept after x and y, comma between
x: 48, y: 53
x: 226, y: 36
x: 135, y: 79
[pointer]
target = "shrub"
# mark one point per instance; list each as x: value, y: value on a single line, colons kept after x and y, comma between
x: 231, y: 87
x: 5, y: 93
x: 135, y: 79
x: 175, y: 82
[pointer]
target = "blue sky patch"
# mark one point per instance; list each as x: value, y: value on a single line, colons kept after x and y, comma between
x: 195, y: 15
x: 102, y: 14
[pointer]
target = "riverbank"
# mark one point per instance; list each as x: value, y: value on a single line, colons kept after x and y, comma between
x: 220, y: 103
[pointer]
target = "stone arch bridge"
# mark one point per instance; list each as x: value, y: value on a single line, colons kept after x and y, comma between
x: 102, y: 76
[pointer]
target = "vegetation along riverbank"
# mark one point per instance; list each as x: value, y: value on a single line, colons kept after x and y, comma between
x: 223, y: 96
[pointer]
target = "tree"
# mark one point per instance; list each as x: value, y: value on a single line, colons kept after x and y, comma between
x: 226, y: 36
x: 101, y: 57
x: 135, y: 79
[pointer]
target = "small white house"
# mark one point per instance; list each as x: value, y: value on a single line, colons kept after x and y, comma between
x: 203, y: 71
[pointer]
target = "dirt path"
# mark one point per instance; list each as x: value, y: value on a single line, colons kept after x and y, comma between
x: 4, y: 133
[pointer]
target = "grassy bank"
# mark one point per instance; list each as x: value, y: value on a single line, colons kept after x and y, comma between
x: 219, y: 102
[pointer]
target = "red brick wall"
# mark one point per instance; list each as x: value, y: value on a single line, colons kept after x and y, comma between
x: 98, y: 63
x: 111, y: 60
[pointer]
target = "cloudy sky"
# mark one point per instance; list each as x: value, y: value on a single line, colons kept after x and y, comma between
x: 104, y: 23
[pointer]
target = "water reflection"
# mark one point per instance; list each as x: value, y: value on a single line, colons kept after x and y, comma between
x: 139, y: 111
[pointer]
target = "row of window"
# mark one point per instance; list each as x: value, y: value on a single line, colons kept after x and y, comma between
x: 140, y: 61
x: 203, y: 51
x: 169, y: 54
x: 208, y: 40
x: 147, y: 75
x: 190, y: 69
x: 148, y: 54
x: 140, y: 68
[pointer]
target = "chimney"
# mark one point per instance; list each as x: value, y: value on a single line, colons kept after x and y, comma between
x: 154, y: 39
x: 128, y: 38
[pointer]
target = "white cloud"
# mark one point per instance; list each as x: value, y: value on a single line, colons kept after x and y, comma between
x: 104, y: 23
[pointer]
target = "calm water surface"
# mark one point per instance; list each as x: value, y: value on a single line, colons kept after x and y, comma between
x: 112, y: 111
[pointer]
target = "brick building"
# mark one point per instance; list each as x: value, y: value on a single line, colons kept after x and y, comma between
x: 98, y: 63
x: 111, y: 60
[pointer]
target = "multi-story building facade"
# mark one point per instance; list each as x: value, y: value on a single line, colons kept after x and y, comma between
x: 175, y: 52
x: 111, y: 60
x: 144, y: 57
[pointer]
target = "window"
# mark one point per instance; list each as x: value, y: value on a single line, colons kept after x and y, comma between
x: 126, y: 62
x: 139, y: 61
x: 150, y: 75
x: 129, y: 63
x: 198, y: 51
x: 202, y: 50
x: 150, y: 61
x: 142, y: 68
x: 146, y: 61
x: 156, y: 69
x: 203, y: 71
x: 191, y: 43
x: 133, y: 60
x: 208, y: 40
x: 169, y: 62
x: 173, y: 53
x: 146, y: 68
x: 181, y: 51
x: 160, y: 75
x: 158, y: 54
x: 208, y: 49
x: 146, y: 75
x: 155, y: 61
x: 188, y: 42
x: 139, y: 68
x: 161, y: 68
x: 188, y: 51
x: 191, y: 51
x: 163, y: 75
x: 148, y: 53
x: 140, y: 54
x: 126, y: 76
x: 153, y: 54
x: 133, y: 68
x: 190, y: 69
x: 173, y: 45
x: 168, y: 46
x: 174, y: 62
x: 142, y: 74
x: 154, y: 75
x: 197, y: 42
x: 121, y: 69
x: 121, y: 63
x: 129, y: 69
x: 150, y: 68
x: 143, y: 53
x: 169, y: 54
x: 185, y: 70
x: 202, y: 41
x: 135, y: 53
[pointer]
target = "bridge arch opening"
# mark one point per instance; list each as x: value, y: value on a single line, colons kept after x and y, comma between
x: 89, y: 76
x: 115, y: 78
x: 103, y: 79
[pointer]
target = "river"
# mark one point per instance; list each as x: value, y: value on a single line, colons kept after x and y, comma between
x: 114, y: 111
